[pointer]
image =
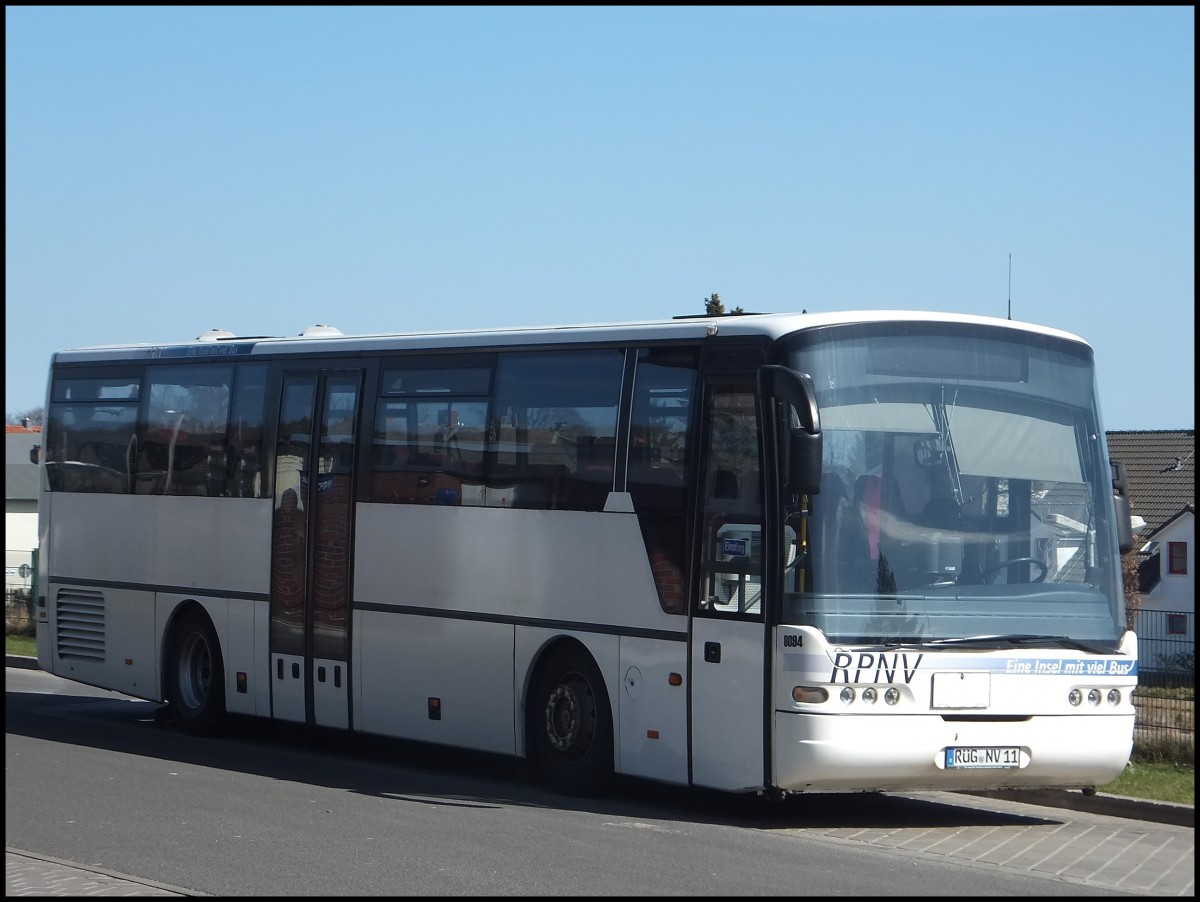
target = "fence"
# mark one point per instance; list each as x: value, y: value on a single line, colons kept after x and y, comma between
x: 18, y: 568
x: 1165, y: 698
x: 18, y: 612
x: 18, y: 592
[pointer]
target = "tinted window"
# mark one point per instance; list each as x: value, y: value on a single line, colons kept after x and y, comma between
x: 663, y: 401
x: 552, y: 436
x: 243, y: 465
x: 181, y: 443
x: 89, y: 433
x: 430, y: 434
x: 542, y: 435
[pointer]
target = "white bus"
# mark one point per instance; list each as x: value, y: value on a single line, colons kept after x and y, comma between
x: 766, y: 553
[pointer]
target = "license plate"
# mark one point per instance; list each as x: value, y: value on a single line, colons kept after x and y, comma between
x: 983, y: 756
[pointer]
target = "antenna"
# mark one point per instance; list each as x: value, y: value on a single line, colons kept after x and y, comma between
x: 1010, y: 285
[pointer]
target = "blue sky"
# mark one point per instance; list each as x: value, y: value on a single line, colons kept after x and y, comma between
x: 261, y: 169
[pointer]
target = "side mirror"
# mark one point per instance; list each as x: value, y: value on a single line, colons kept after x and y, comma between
x: 799, y: 438
x: 35, y: 454
x: 1121, y: 507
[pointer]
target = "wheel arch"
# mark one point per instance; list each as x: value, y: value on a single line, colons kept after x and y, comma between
x: 177, y: 614
x: 537, y: 664
x: 581, y: 752
x: 194, y: 668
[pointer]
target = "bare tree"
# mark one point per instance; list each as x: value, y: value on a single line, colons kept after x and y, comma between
x: 33, y: 417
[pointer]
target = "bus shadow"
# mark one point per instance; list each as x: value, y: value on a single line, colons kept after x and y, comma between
x: 422, y: 773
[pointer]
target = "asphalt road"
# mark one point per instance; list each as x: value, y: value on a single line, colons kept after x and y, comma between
x: 101, y: 800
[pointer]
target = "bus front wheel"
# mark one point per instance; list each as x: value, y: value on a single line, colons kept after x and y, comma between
x: 195, y: 675
x: 571, y: 734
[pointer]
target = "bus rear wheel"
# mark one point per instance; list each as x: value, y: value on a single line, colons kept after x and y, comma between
x: 195, y: 675
x: 571, y: 734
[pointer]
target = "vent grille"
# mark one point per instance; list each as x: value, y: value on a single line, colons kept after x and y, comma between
x: 79, y: 615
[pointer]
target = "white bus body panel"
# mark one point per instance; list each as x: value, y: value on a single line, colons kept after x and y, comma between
x: 155, y: 554
x: 1007, y: 698
x: 331, y: 693
x: 240, y: 637
x: 771, y: 325
x: 258, y: 665
x: 109, y: 637
x: 727, y: 705
x: 650, y: 713
x: 846, y: 752
x: 287, y: 688
x: 467, y: 628
x: 403, y: 661
x: 559, y: 565
x: 605, y: 650
x: 203, y: 543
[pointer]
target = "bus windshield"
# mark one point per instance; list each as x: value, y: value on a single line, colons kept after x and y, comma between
x: 963, y: 491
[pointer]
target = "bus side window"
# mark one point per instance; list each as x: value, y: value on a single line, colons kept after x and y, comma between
x: 664, y: 386
x: 90, y: 425
x: 732, y: 514
x: 244, y: 443
x: 429, y: 434
x: 558, y: 426
x: 181, y: 441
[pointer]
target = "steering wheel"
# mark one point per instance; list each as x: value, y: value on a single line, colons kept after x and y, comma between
x: 1012, y: 563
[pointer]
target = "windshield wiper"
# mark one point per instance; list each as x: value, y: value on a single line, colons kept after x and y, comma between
x: 1018, y: 640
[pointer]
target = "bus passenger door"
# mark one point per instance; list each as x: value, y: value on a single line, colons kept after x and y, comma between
x: 311, y: 550
x: 727, y: 624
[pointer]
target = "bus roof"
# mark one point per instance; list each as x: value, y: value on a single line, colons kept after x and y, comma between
x: 325, y: 339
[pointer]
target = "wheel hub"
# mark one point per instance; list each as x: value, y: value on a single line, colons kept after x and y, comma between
x: 562, y: 718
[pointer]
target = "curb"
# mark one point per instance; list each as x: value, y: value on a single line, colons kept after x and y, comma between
x: 31, y: 874
x: 1072, y: 800
x: 1099, y: 803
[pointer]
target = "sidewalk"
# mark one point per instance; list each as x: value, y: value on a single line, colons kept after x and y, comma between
x: 27, y: 874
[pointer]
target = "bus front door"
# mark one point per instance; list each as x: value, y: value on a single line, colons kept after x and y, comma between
x: 727, y: 625
x: 311, y: 547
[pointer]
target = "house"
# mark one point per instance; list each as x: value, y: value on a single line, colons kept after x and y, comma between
x: 1160, y: 471
x: 20, y: 504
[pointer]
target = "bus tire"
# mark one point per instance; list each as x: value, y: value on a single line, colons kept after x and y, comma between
x: 570, y: 725
x: 195, y: 678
